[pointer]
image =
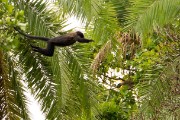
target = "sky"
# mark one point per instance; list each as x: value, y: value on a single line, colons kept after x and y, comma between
x: 74, y: 24
x: 34, y: 108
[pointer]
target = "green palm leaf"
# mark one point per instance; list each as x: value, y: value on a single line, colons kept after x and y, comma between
x: 13, y: 99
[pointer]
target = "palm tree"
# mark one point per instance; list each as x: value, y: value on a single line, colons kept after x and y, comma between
x: 62, y: 84
x: 133, y: 36
x: 146, y: 42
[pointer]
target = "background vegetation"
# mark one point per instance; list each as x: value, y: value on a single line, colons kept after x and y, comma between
x: 131, y: 71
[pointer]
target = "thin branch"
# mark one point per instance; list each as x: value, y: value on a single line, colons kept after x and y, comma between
x: 114, y: 78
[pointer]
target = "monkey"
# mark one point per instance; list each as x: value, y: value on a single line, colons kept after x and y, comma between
x: 62, y: 41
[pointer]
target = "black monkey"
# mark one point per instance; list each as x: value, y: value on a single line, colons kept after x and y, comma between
x: 64, y: 40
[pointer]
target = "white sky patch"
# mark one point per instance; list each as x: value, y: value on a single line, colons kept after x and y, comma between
x: 34, y: 108
x: 32, y: 104
x: 110, y: 84
x: 75, y: 24
x: 114, y: 72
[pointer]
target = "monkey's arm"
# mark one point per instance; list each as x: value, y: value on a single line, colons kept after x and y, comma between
x: 83, y: 40
x: 30, y: 36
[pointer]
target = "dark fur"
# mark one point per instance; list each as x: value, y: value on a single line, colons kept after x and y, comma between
x: 64, y: 40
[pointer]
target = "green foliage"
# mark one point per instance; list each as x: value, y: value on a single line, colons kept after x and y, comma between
x: 85, y: 10
x: 159, y: 14
x: 12, y: 101
x: 137, y: 38
x: 157, y: 23
x: 110, y: 111
x: 117, y: 105
x: 146, y: 59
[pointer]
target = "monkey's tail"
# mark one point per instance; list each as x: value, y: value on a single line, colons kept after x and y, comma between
x: 30, y: 36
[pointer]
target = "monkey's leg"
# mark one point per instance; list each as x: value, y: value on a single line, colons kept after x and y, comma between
x: 47, y: 52
x: 34, y: 47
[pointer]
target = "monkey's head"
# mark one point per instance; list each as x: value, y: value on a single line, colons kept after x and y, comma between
x: 80, y: 34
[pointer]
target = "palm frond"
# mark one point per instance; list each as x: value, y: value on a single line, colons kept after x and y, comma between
x: 159, y: 13
x: 134, y: 9
x: 42, y: 20
x: 38, y: 76
x: 42, y: 74
x: 84, y: 10
x: 106, y: 25
x: 74, y: 95
x: 100, y: 56
x: 121, y: 10
x: 13, y: 100
x: 158, y: 89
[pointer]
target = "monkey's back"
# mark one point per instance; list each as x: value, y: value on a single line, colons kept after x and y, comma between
x: 64, y: 40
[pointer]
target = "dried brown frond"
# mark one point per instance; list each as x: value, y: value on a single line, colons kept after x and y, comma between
x: 100, y: 56
x: 130, y: 42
